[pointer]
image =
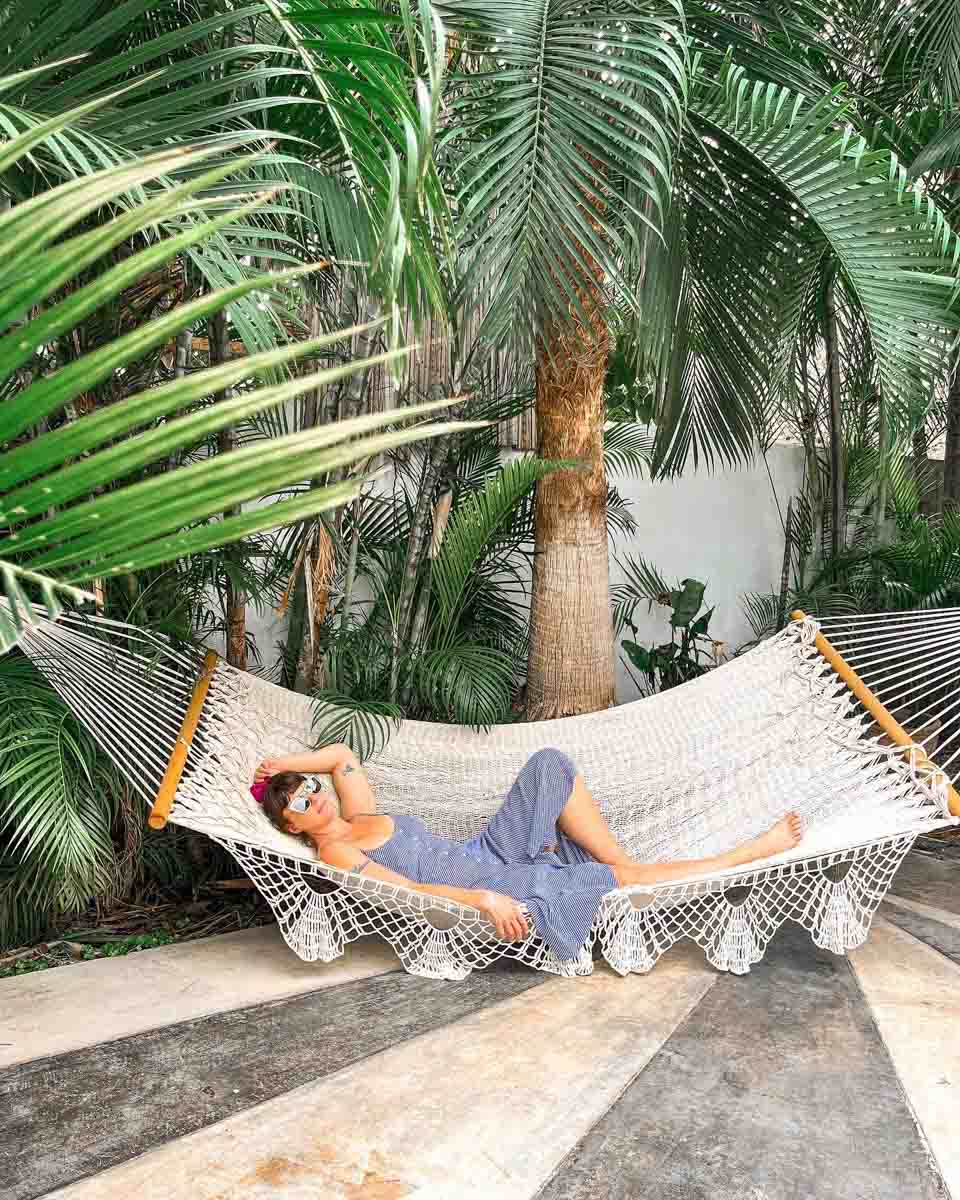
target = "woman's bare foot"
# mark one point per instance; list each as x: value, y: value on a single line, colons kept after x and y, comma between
x: 783, y: 836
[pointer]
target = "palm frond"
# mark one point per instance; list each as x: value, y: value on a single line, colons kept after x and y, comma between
x: 942, y: 151
x: 620, y: 520
x: 643, y: 584
x: 763, y: 611
x: 473, y: 527
x: 382, y: 116
x: 776, y: 183
x: 50, y: 524
x: 363, y: 725
x: 567, y: 121
x: 472, y: 684
x: 238, y: 78
x: 627, y: 448
x: 55, y: 802
x: 923, y: 38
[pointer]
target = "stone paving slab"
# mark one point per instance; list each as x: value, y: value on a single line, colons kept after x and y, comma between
x: 65, y: 1008
x: 934, y: 927
x: 481, y: 1109
x: 930, y: 878
x: 914, y: 996
x: 76, y: 1114
x: 776, y: 1087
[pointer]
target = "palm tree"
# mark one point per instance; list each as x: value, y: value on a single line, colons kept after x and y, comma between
x: 611, y: 152
x: 68, y: 509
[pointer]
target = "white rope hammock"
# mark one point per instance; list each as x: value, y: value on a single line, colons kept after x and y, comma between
x: 685, y: 774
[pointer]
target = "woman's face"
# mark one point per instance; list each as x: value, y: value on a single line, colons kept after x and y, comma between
x: 320, y: 813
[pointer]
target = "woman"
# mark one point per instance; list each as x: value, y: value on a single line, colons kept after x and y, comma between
x: 548, y: 847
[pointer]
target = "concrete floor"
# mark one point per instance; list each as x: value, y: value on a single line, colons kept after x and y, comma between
x: 227, y: 1068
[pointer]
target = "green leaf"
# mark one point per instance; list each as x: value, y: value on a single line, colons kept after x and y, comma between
x: 699, y: 627
x: 773, y: 192
x: 17, y: 610
x: 686, y: 602
x: 639, y: 656
x: 364, y: 725
x: 471, y: 531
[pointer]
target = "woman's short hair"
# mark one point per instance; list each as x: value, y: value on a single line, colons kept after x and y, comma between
x: 277, y: 797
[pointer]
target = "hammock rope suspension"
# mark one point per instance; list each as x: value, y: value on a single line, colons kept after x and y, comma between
x: 888, y: 723
x: 853, y: 722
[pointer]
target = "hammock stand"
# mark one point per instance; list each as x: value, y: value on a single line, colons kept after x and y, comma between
x: 792, y: 723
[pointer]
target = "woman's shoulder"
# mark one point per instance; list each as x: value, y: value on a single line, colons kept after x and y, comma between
x: 340, y: 854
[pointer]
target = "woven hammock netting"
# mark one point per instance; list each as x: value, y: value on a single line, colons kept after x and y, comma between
x: 688, y: 773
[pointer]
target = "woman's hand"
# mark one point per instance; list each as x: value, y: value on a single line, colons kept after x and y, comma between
x: 505, y: 914
x: 269, y: 766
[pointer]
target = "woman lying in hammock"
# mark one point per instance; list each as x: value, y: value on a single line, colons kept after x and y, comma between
x: 548, y: 847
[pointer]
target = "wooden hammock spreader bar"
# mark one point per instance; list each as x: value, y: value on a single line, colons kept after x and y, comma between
x: 887, y: 722
x: 160, y: 809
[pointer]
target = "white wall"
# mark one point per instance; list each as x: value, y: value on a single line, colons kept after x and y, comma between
x: 723, y: 529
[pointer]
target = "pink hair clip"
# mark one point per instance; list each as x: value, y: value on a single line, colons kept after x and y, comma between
x: 258, y: 790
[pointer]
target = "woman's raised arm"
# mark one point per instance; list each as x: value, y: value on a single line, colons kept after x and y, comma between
x: 338, y: 761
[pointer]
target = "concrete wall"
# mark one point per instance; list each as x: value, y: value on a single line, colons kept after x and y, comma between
x: 723, y: 529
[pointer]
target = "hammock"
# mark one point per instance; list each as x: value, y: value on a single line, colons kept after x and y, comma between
x: 797, y: 723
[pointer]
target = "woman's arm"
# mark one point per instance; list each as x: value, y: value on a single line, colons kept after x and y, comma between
x: 503, y: 912
x: 349, y: 777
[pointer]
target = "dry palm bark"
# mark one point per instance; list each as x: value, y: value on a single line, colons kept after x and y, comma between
x: 571, y: 666
x: 318, y: 566
x: 832, y: 344
x: 951, y: 449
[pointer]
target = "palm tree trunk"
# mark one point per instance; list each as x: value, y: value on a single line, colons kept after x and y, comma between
x: 836, y: 428
x: 182, y: 360
x: 951, y: 450
x: 812, y: 484
x: 318, y: 567
x: 883, y: 486
x: 235, y: 605
x: 785, y: 566
x: 926, y: 500
x: 571, y: 665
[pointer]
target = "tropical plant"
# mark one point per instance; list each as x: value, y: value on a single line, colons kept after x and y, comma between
x: 58, y: 805
x: 367, y: 548
x: 143, y: 77
x: 65, y: 233
x: 71, y: 830
x: 612, y: 152
x: 60, y: 532
x: 105, y: 478
x: 919, y: 569
x: 689, y: 653
x: 461, y: 660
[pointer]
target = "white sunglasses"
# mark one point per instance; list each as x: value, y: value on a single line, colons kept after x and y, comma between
x: 299, y: 802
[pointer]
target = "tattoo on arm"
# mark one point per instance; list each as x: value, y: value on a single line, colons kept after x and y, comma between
x: 348, y: 769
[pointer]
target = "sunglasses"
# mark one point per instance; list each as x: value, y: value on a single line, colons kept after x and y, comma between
x: 299, y: 802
